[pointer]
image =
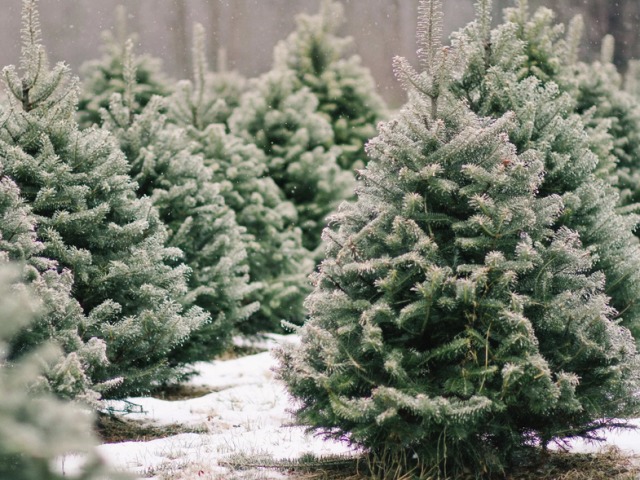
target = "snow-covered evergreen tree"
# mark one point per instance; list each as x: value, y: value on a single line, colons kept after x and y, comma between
x: 60, y: 315
x: 183, y: 190
x: 284, y: 122
x: 345, y: 89
x: 551, y: 55
x: 91, y: 222
x: 606, y: 106
x: 511, y: 68
x: 35, y: 426
x: 212, y: 96
x: 455, y: 319
x: 278, y: 264
x: 632, y: 78
x: 103, y: 77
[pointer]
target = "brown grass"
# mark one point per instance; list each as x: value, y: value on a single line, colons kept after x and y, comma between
x: 176, y: 392
x: 609, y: 464
x: 237, y: 351
x: 114, y: 429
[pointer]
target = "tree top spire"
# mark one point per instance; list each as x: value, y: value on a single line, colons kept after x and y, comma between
x: 32, y: 50
x: 607, y: 49
x: 483, y: 13
x: 575, y: 33
x: 429, y: 34
x: 332, y: 14
x: 200, y: 65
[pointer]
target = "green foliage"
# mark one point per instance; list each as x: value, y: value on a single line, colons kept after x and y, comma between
x: 278, y: 264
x: 103, y: 77
x: 552, y: 57
x: 496, y: 76
x: 60, y: 316
x: 283, y: 121
x: 345, y: 89
x: 90, y: 221
x: 184, y: 191
x: 456, y: 319
x: 600, y: 98
x: 212, y: 96
x: 35, y: 426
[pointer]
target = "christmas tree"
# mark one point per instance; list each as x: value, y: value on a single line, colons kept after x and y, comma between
x: 189, y: 201
x: 632, y: 78
x: 511, y: 68
x: 456, y: 320
x: 35, y: 427
x: 278, y: 264
x: 212, y: 96
x: 60, y: 316
x: 606, y: 106
x: 91, y: 222
x: 284, y: 122
x: 345, y: 89
x: 551, y: 55
x: 103, y: 77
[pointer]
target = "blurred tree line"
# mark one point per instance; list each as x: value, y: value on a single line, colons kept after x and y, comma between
x: 248, y: 29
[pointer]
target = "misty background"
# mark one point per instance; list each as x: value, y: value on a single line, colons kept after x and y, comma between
x: 249, y: 29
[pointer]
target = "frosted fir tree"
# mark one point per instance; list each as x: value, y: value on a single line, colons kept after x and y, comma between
x: 91, y: 222
x: 344, y: 87
x: 190, y: 202
x: 632, y: 78
x: 606, y: 106
x: 36, y: 428
x: 103, y: 77
x: 60, y: 316
x: 551, y: 55
x: 278, y: 264
x: 626, y: 132
x: 212, y: 96
x: 496, y: 76
x: 455, y: 321
x: 284, y: 122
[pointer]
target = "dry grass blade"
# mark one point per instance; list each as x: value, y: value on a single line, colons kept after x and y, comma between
x: 114, y: 429
x: 172, y: 393
x: 609, y: 464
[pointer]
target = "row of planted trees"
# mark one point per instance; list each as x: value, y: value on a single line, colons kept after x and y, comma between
x: 478, y: 297
x: 149, y: 221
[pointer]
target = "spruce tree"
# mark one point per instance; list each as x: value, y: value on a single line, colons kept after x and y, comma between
x: 455, y: 319
x: 189, y: 201
x: 604, y: 104
x: 511, y: 68
x: 35, y: 427
x: 345, y: 89
x: 212, y: 96
x: 551, y: 55
x: 60, y: 315
x: 90, y: 221
x: 103, y: 77
x: 278, y: 264
x: 632, y: 78
x: 284, y: 122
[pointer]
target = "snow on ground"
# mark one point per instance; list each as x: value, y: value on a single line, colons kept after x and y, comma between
x: 247, y: 413
x: 627, y: 440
